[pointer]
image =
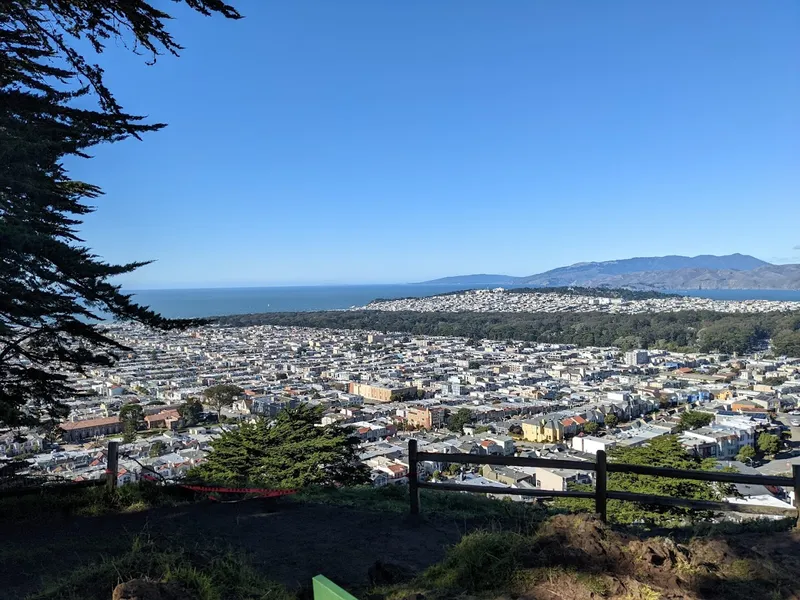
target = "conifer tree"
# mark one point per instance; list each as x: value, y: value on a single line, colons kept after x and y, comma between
x: 53, y: 288
x: 290, y: 452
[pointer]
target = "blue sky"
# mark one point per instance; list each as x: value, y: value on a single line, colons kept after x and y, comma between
x: 392, y: 141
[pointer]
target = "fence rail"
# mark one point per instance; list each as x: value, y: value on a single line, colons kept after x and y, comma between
x: 55, y: 486
x: 601, y: 494
x: 110, y: 482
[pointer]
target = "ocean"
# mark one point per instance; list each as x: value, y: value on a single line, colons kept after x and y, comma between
x: 191, y: 303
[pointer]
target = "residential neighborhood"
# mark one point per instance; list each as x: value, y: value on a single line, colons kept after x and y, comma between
x: 517, y: 399
x: 502, y: 300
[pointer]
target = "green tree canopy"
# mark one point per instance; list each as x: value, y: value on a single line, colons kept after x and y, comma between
x: 55, y: 106
x: 591, y: 427
x: 290, y: 452
x: 787, y: 342
x: 611, y: 420
x: 663, y: 451
x: 190, y: 411
x: 457, y: 420
x: 132, y: 417
x: 222, y: 395
x: 693, y: 419
x: 673, y: 331
x: 769, y: 444
x: 746, y: 453
x: 156, y: 450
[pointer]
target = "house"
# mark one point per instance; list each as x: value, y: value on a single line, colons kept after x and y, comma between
x: 426, y: 418
x: 590, y: 444
x: 719, y: 441
x: 557, y: 479
x: 506, y: 475
x: 78, y: 431
x: 166, y: 419
x: 542, y: 430
x: 489, y: 447
x: 573, y: 425
x: 505, y: 442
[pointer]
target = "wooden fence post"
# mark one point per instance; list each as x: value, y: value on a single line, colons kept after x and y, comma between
x: 413, y: 477
x: 112, y: 464
x: 796, y: 476
x: 600, y: 484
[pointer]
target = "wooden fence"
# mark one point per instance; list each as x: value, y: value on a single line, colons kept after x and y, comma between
x: 110, y: 479
x: 601, y: 493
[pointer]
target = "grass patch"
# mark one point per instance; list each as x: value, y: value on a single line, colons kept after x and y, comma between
x: 595, y: 583
x: 480, y: 561
x: 93, y: 501
x: 729, y: 528
x: 522, y: 516
x: 205, y: 575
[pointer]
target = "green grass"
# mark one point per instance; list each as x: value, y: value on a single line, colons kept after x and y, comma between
x: 91, y: 501
x: 519, y: 516
x: 731, y: 528
x: 479, y: 562
x: 207, y: 575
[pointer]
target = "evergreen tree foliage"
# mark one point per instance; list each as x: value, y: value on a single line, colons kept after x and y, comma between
x: 132, y: 417
x: 292, y: 451
x: 222, y: 395
x: 156, y: 450
x: 456, y: 421
x: 769, y: 444
x: 190, y: 411
x: 693, y: 419
x: 663, y: 451
x: 685, y: 331
x: 54, y: 105
x: 746, y: 453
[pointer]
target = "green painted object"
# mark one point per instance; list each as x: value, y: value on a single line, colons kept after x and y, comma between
x: 325, y: 589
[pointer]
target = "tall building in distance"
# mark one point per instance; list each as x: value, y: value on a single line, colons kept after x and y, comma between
x: 636, y: 357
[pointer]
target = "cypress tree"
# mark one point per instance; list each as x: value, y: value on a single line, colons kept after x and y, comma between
x: 53, y: 289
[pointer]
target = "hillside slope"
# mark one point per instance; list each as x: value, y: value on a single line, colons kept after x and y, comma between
x: 769, y: 277
x: 362, y: 538
x: 583, y: 273
x: 576, y: 557
x: 734, y: 271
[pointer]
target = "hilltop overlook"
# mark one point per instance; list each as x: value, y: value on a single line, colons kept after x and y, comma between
x: 363, y: 542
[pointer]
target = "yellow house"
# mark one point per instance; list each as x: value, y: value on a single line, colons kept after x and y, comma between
x: 542, y: 430
x: 723, y: 395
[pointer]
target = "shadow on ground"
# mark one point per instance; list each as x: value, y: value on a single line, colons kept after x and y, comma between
x: 290, y: 542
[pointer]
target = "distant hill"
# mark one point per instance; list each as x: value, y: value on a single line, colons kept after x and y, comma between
x: 769, y: 277
x: 479, y: 279
x: 734, y: 271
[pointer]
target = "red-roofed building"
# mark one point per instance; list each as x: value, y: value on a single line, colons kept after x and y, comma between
x: 166, y: 419
x: 81, y: 430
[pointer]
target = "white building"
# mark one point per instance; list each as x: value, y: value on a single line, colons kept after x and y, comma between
x: 636, y: 357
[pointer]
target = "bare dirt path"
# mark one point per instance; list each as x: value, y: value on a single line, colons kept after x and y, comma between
x: 291, y: 542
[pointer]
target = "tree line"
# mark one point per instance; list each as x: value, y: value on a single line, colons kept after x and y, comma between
x: 703, y: 331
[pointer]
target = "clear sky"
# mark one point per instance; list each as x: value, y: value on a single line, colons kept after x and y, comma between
x: 338, y: 141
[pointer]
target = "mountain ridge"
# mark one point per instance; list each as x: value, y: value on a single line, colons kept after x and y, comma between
x: 672, y: 272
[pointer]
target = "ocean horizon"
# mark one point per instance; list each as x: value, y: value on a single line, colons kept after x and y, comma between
x: 211, y: 302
